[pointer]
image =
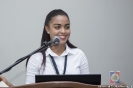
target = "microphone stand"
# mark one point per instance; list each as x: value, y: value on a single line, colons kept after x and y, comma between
x: 45, y: 46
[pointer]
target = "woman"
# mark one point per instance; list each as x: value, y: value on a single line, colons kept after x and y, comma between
x: 68, y: 58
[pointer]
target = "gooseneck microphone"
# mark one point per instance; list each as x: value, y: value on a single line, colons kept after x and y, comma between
x: 55, y: 41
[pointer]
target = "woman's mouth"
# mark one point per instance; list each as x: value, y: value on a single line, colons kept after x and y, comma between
x: 62, y: 37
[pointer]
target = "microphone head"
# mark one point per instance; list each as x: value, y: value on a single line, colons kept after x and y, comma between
x: 56, y: 40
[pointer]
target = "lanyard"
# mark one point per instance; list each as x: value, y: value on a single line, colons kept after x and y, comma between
x: 55, y: 66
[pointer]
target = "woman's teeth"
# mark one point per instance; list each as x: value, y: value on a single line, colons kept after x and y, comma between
x: 62, y: 36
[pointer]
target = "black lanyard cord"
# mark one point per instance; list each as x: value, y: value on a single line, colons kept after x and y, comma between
x: 55, y: 66
x: 65, y: 64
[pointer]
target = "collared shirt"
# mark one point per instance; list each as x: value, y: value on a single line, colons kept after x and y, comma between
x: 76, y: 63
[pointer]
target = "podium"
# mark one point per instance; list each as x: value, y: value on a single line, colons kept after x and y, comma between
x: 68, y: 84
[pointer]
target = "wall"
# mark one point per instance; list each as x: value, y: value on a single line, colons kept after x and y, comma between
x: 101, y: 28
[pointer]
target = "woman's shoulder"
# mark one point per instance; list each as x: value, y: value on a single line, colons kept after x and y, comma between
x: 77, y: 51
x: 39, y: 54
x: 36, y: 57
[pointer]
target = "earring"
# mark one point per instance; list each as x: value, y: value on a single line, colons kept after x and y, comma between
x: 48, y: 32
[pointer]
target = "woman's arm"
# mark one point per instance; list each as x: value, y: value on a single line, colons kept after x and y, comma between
x: 33, y: 67
x: 84, y: 66
x: 6, y: 81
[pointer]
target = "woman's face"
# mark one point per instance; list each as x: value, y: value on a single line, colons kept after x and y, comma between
x: 59, y: 26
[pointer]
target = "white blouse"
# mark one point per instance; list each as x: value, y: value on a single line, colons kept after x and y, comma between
x: 76, y: 63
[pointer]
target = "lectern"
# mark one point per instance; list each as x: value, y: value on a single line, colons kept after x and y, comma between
x: 68, y: 84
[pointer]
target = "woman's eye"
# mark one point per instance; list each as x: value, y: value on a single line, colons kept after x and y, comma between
x: 57, y: 27
x: 67, y: 27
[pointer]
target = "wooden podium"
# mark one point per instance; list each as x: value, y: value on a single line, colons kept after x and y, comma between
x: 68, y: 84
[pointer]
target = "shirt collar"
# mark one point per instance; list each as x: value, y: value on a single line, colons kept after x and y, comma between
x: 68, y: 51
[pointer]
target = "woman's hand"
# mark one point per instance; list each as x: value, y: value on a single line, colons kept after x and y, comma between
x: 5, y: 81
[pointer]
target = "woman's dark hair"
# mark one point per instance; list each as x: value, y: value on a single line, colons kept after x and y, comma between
x: 46, y: 36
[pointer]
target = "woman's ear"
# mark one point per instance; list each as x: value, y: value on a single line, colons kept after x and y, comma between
x: 47, y: 29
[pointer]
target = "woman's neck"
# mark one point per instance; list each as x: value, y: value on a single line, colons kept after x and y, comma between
x: 58, y: 49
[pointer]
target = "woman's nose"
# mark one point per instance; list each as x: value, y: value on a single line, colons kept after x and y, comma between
x: 62, y: 30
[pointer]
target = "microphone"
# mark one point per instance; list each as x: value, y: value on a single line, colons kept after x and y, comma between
x: 55, y: 41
